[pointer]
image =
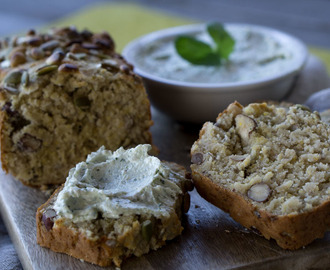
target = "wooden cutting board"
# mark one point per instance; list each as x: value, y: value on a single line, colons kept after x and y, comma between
x: 211, y: 239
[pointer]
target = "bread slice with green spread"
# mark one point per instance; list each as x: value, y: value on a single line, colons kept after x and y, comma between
x: 268, y: 166
x: 114, y: 205
x: 64, y: 94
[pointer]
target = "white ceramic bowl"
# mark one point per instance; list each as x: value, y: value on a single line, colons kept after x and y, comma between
x: 200, y: 102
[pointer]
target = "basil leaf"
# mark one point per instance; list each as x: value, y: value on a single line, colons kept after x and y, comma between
x: 196, y: 51
x: 225, y: 43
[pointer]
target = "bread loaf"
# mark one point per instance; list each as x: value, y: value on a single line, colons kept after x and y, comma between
x: 63, y: 94
x: 268, y: 166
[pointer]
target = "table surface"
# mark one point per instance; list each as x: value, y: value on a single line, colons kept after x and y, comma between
x: 309, y: 20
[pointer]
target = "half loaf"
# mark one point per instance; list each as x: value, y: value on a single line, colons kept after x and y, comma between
x: 63, y: 94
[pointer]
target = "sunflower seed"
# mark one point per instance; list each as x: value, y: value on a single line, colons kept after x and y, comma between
x: 55, y: 58
x: 49, y: 45
x: 67, y: 68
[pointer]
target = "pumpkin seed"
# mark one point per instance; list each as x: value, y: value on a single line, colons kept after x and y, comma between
x: 46, y: 69
x: 146, y: 229
x: 76, y: 56
x: 98, y: 54
x: 80, y: 55
x: 67, y: 68
x: 10, y: 89
x: 110, y: 64
x: 303, y: 107
x: 82, y: 103
x: 25, y: 78
x: 13, y: 78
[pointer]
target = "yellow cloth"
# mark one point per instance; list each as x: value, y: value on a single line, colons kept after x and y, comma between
x: 126, y: 22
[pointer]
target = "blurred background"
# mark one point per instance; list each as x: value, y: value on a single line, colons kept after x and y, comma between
x: 309, y: 20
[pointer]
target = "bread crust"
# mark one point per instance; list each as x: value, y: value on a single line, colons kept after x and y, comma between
x: 65, y: 240
x: 75, y: 243
x: 290, y: 231
x: 3, y: 117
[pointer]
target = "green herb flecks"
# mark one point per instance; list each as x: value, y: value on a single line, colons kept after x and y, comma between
x: 200, y: 53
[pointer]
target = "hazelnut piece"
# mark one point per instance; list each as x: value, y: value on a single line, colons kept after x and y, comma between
x: 245, y: 125
x: 47, y: 218
x: 259, y: 192
x: 197, y: 158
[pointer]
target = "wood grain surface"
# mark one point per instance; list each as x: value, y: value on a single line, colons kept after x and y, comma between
x: 211, y: 239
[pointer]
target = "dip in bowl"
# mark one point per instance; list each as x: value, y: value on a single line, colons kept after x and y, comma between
x: 262, y: 66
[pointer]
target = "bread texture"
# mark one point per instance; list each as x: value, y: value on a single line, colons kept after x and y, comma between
x: 268, y: 167
x: 63, y: 94
x: 134, y: 225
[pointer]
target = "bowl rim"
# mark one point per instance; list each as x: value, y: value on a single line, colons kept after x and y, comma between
x: 132, y: 47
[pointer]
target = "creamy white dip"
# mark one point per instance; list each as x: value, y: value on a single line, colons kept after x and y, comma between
x: 113, y: 184
x: 256, y: 55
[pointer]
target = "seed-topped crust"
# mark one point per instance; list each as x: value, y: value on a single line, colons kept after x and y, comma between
x: 66, y: 101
